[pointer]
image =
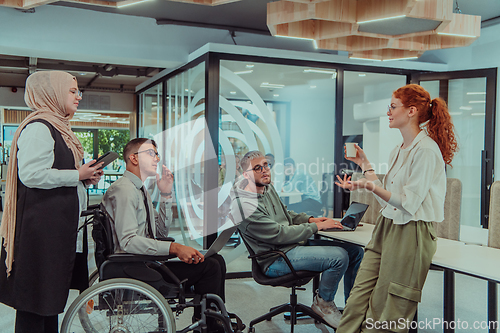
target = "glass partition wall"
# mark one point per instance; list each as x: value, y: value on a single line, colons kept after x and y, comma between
x: 206, y: 115
x: 287, y: 113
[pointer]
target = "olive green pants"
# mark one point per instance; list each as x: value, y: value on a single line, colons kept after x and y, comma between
x: 389, y: 283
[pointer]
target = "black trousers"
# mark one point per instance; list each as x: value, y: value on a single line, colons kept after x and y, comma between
x: 28, y: 322
x: 206, y: 277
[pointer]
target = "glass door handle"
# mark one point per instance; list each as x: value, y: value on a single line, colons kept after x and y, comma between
x: 484, y: 188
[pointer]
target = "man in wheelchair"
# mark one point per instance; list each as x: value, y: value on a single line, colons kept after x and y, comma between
x: 139, y: 229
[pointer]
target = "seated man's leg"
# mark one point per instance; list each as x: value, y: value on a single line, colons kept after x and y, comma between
x: 355, y: 254
x: 222, y: 265
x: 331, y: 260
x: 206, y: 277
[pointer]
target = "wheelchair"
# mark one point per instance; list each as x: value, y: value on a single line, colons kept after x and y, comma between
x: 131, y: 295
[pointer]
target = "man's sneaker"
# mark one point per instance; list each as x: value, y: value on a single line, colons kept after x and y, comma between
x: 327, y: 310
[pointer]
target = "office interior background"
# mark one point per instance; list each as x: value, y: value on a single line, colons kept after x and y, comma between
x: 208, y: 84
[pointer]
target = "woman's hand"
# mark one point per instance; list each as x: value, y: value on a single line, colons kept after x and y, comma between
x: 360, y: 158
x: 167, y: 180
x: 94, y: 180
x: 87, y: 171
x: 346, y: 183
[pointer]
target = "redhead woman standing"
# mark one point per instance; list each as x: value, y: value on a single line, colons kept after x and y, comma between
x: 389, y: 283
x: 43, y: 255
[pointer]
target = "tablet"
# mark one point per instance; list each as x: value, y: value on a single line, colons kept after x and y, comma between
x: 107, y: 158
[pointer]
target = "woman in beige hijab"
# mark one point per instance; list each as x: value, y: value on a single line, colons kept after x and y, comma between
x: 42, y: 256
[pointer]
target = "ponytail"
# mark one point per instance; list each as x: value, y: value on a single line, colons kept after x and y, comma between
x: 441, y: 129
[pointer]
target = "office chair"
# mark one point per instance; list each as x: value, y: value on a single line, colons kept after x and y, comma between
x: 294, y: 280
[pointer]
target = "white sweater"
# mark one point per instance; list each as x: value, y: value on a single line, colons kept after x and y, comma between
x: 417, y: 182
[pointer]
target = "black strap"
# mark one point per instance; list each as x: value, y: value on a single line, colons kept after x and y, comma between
x: 148, y: 217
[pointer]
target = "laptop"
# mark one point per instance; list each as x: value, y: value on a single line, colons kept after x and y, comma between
x: 219, y: 243
x: 352, y: 217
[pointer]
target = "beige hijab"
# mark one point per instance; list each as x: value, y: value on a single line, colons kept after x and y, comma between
x: 46, y: 94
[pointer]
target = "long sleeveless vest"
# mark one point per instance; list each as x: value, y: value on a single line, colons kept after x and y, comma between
x: 45, y: 242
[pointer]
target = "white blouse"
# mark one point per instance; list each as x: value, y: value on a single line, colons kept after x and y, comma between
x: 35, y: 157
x: 417, y: 182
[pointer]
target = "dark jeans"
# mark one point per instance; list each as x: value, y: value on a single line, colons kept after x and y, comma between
x: 333, y: 258
x: 28, y: 322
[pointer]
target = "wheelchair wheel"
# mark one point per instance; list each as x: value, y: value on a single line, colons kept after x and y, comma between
x: 94, y: 278
x: 119, y: 306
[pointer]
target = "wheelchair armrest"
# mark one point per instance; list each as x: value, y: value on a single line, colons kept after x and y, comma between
x: 124, y: 257
x: 281, y: 254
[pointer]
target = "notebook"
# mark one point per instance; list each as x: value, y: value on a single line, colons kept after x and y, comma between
x: 352, y: 217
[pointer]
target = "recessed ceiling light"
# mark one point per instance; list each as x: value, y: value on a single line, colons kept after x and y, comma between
x: 154, y: 103
x: 271, y: 85
x: 476, y: 93
x: 232, y: 92
x: 333, y: 73
x: 361, y: 74
x: 478, y: 114
x: 321, y: 71
x: 250, y: 66
x: 477, y: 102
x: 244, y: 72
x: 312, y: 87
x: 276, y: 95
x: 465, y: 108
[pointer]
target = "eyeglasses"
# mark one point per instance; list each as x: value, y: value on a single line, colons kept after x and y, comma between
x: 151, y: 152
x: 259, y: 168
x: 393, y: 107
x: 77, y: 93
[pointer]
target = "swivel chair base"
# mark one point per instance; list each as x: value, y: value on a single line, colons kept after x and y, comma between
x: 293, y: 307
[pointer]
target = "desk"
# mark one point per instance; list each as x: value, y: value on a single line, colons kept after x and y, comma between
x: 481, y: 262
